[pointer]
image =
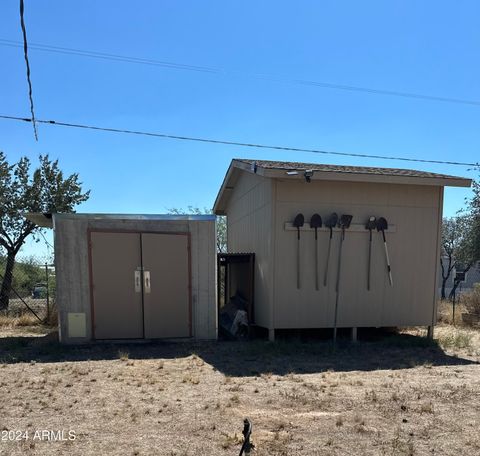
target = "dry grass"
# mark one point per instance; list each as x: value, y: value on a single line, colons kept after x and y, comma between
x: 445, y: 312
x: 24, y: 319
x: 400, y: 396
x: 467, y: 310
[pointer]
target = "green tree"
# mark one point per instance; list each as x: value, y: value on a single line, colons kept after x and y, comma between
x: 221, y: 223
x: 468, y: 254
x: 474, y: 221
x: 22, y: 191
x: 452, y: 238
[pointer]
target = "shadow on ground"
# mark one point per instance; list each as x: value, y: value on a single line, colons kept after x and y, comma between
x: 384, y: 351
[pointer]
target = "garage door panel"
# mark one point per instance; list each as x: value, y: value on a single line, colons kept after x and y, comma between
x: 117, y: 302
x: 167, y: 302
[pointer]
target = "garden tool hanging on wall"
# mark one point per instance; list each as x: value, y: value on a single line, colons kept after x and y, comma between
x: 316, y: 222
x: 382, y: 225
x: 370, y: 226
x: 330, y: 223
x: 343, y: 224
x: 298, y: 223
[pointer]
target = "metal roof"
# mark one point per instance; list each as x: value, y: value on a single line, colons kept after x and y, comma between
x: 46, y: 220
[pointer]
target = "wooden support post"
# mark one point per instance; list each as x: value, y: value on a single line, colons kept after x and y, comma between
x: 271, y: 335
x: 354, y: 335
x: 430, y: 332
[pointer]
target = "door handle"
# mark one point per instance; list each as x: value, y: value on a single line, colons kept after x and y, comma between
x: 146, y: 281
x: 138, y: 283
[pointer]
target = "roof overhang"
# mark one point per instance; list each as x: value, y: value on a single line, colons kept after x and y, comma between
x: 237, y: 167
x: 43, y: 220
x: 46, y: 220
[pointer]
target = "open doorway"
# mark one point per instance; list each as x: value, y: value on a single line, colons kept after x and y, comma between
x: 235, y: 293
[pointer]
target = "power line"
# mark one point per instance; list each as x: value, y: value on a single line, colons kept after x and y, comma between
x: 114, y: 57
x: 232, y: 143
x: 25, y: 55
x: 214, y: 70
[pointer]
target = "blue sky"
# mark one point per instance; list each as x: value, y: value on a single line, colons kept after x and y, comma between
x: 428, y: 47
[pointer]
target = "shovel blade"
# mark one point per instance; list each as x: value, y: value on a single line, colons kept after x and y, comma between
x: 298, y: 221
x: 382, y: 224
x: 316, y: 221
x: 345, y: 221
x: 332, y: 220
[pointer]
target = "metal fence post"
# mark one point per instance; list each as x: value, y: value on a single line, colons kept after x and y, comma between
x: 48, y: 293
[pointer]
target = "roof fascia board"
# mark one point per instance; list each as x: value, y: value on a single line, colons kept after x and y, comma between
x: 225, y: 189
x: 366, y: 177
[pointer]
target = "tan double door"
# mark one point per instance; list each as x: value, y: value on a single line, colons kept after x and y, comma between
x: 140, y: 285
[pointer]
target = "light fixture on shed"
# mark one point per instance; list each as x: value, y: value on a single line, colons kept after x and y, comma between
x: 308, y: 174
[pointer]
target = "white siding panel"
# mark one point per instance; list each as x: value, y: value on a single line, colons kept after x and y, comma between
x: 249, y: 230
x: 412, y: 247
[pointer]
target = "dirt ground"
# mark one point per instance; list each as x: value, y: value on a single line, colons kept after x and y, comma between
x: 388, y: 395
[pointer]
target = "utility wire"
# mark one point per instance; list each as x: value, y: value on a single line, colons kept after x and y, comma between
x: 214, y: 70
x: 25, y: 55
x: 114, y: 57
x: 232, y: 143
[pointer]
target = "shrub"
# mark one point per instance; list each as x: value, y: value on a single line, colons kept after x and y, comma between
x: 471, y: 303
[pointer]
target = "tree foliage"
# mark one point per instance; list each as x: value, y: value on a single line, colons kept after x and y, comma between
x: 472, y: 248
x: 466, y: 235
x: 22, y: 191
x: 221, y: 223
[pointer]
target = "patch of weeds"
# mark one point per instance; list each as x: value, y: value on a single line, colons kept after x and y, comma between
x: 295, y: 396
x: 455, y: 339
x: 229, y: 440
x: 191, y: 379
x: 401, y: 446
x: 371, y: 395
x: 266, y: 376
x: 359, y: 419
x: 426, y: 408
x: 360, y: 428
x: 123, y: 355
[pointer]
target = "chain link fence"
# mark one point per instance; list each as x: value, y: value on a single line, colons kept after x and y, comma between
x: 27, y: 288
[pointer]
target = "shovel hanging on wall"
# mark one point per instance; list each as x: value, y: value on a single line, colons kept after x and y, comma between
x: 330, y: 223
x: 316, y: 222
x: 370, y: 226
x: 382, y: 225
x: 344, y: 223
x: 298, y: 223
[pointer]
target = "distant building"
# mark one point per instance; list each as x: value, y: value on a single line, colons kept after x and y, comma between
x: 472, y: 276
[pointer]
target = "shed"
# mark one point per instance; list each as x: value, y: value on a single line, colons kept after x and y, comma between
x: 261, y: 199
x: 134, y: 276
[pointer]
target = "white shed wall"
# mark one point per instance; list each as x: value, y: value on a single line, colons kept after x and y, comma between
x: 249, y: 228
x: 414, y: 211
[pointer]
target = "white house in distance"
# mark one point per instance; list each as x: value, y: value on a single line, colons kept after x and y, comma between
x: 261, y: 200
